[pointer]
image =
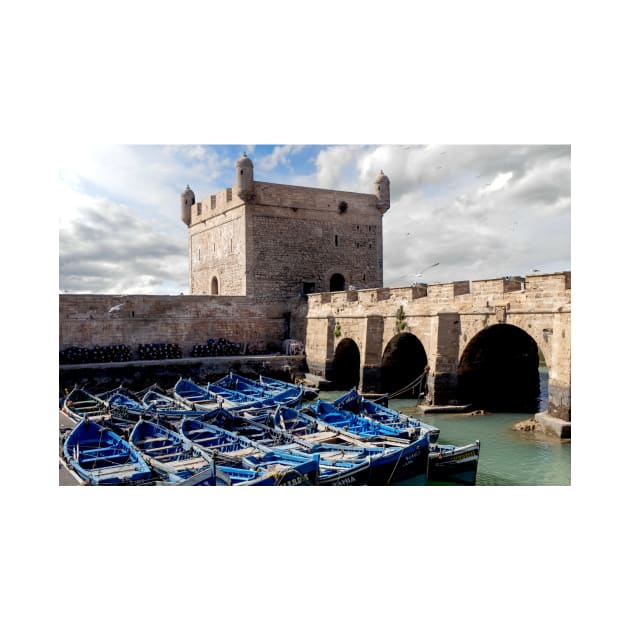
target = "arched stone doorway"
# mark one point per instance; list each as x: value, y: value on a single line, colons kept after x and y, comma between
x: 498, y: 371
x: 346, y: 365
x: 337, y: 282
x: 214, y: 286
x: 403, y: 362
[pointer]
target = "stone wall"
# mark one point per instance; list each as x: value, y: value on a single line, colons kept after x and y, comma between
x: 305, y: 235
x: 445, y: 318
x: 285, y: 241
x: 86, y: 320
x: 217, y: 249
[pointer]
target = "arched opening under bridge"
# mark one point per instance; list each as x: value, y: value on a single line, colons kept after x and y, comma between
x: 498, y: 371
x: 346, y: 365
x: 403, y: 363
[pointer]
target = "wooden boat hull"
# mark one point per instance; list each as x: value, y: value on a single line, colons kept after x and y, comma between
x: 172, y: 457
x: 195, y: 397
x: 355, y: 403
x: 408, y: 458
x: 352, y: 422
x: 457, y: 464
x: 288, y: 394
x: 270, y: 392
x: 238, y: 401
x: 101, y: 457
x: 80, y: 405
x: 390, y: 458
x: 333, y: 470
x: 339, y: 464
x: 410, y: 462
x: 170, y: 412
x: 246, y: 462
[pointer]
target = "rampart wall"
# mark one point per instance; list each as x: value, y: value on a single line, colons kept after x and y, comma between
x: 86, y: 320
x: 445, y: 318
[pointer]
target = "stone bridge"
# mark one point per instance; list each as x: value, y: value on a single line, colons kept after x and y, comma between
x: 481, y: 342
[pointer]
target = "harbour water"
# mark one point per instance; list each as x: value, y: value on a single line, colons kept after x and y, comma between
x: 508, y: 457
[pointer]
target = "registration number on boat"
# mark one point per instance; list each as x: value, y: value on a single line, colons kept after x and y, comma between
x: 453, y: 458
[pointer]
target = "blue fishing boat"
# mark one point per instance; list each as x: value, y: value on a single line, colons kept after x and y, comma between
x: 357, y: 404
x: 287, y: 394
x: 169, y: 412
x: 234, y: 453
x: 80, y: 405
x: 159, y: 402
x: 456, y: 464
x: 344, y: 462
x: 274, y: 392
x: 308, y: 393
x: 124, y: 410
x: 447, y: 462
x: 172, y: 457
x: 355, y: 423
x: 398, y: 459
x: 101, y: 457
x: 236, y: 400
x: 195, y: 397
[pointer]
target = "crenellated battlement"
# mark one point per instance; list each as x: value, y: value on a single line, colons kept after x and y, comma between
x: 520, y: 290
x: 446, y: 320
x: 214, y: 205
x: 262, y: 239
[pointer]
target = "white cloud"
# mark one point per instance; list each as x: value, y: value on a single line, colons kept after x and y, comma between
x: 500, y: 181
x: 279, y: 155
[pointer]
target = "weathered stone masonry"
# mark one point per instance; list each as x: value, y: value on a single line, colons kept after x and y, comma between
x: 276, y: 241
x: 85, y: 320
x: 257, y: 248
x: 445, y: 318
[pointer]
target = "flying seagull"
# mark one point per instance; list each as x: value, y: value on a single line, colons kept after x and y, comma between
x: 116, y: 308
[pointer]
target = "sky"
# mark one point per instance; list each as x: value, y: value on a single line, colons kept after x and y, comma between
x: 458, y: 212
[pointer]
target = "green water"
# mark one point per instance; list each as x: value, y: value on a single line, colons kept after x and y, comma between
x: 507, y: 457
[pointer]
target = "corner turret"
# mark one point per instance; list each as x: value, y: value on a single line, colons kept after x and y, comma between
x: 187, y: 201
x: 244, y: 178
x: 381, y: 190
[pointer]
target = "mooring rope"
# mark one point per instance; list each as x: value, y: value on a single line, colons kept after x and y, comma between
x: 417, y: 381
x: 396, y: 465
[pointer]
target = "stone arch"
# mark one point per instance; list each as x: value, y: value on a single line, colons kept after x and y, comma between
x: 402, y: 363
x: 214, y: 286
x: 337, y: 282
x: 346, y: 365
x: 498, y: 370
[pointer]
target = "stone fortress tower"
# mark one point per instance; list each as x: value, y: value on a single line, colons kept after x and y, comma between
x: 276, y: 241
